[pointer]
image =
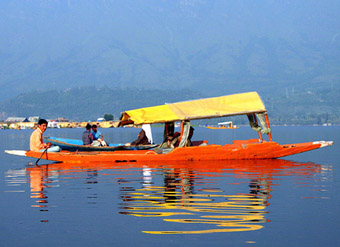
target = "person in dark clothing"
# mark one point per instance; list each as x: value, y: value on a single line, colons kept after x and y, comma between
x: 173, y: 141
x: 87, y: 135
x: 141, y: 139
x: 191, y: 133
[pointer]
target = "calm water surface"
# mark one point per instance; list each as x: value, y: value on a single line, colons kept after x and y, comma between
x: 286, y: 202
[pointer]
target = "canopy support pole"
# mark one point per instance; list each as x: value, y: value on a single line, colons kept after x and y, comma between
x: 182, y: 129
x: 169, y: 130
x: 260, y: 135
x: 268, y: 126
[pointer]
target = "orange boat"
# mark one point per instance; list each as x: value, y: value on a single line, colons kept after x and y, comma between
x: 249, y: 104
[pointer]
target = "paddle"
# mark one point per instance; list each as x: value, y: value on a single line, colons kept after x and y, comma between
x: 41, y: 156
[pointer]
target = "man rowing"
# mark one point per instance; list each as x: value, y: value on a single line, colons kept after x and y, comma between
x: 36, y: 140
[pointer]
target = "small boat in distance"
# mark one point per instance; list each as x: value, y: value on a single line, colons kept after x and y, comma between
x: 249, y: 104
x: 223, y: 125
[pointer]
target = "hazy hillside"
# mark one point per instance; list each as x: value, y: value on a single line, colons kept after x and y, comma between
x: 84, y: 104
x: 206, y: 45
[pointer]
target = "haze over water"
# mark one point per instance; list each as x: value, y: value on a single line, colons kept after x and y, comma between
x: 284, y: 202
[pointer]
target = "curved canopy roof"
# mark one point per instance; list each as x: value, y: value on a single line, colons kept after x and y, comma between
x: 229, y: 105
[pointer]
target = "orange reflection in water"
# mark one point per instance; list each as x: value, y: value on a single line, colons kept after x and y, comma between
x: 37, y: 183
x: 189, y: 197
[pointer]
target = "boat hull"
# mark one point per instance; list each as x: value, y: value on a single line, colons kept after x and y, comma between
x: 239, y: 150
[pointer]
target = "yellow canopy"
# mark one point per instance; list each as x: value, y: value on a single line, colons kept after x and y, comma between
x: 235, y: 104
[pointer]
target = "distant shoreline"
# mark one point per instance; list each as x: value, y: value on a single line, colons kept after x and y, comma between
x: 114, y: 124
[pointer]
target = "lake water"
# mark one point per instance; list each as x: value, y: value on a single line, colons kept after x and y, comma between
x: 285, y: 202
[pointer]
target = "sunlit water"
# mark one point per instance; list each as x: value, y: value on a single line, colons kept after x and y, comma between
x: 286, y: 202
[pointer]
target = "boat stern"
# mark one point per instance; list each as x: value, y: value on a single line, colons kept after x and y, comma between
x: 16, y: 152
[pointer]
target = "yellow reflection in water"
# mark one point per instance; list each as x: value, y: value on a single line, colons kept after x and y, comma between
x: 227, y: 213
x: 191, y: 196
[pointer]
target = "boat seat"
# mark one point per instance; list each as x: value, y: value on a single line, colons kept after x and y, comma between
x: 163, y: 150
x: 199, y: 143
x: 240, y: 142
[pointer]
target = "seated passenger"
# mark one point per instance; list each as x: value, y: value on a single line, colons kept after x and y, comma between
x: 191, y: 133
x: 97, y: 137
x: 87, y: 135
x: 173, y: 141
x: 144, y: 137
